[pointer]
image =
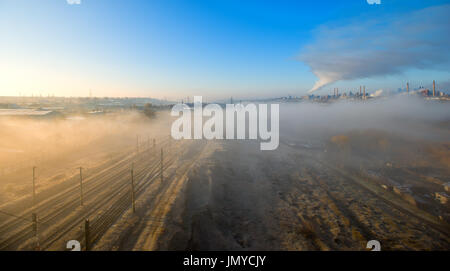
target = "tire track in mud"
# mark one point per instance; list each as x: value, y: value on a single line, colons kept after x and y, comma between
x: 343, y: 210
x: 390, y: 206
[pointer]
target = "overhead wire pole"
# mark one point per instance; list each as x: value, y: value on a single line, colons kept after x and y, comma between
x: 132, y: 189
x: 35, y: 230
x: 137, y: 144
x: 81, y: 187
x: 34, y: 187
x: 86, y: 235
x: 161, y: 165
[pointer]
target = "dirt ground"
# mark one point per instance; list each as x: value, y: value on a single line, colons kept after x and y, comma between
x: 328, y: 190
x: 291, y: 199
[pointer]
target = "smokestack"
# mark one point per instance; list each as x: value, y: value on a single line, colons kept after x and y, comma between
x: 364, y: 92
x: 407, y: 87
x: 434, y: 88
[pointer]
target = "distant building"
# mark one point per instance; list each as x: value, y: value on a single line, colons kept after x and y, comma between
x: 26, y: 113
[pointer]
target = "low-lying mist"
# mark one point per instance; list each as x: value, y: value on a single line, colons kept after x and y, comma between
x: 404, y: 129
x: 408, y: 130
x: 59, y: 146
x: 409, y: 117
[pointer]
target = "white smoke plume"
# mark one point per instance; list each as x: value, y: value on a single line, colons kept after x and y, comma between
x: 382, y: 46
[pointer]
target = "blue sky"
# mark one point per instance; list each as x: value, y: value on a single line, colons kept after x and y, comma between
x: 217, y: 49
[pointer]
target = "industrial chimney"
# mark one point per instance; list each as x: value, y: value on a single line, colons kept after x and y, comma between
x: 434, y: 88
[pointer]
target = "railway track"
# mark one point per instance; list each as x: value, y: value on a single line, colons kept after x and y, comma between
x: 51, y: 215
x: 119, y: 203
x: 70, y: 193
x: 64, y: 207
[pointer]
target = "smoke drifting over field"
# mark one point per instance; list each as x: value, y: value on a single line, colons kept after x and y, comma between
x: 60, y: 146
x: 26, y: 136
x: 408, y: 131
x: 27, y: 141
x: 409, y: 117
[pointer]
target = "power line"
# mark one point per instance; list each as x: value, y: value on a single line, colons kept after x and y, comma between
x: 23, y: 218
x: 16, y: 216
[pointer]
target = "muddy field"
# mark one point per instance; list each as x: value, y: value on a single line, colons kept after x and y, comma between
x: 293, y: 199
